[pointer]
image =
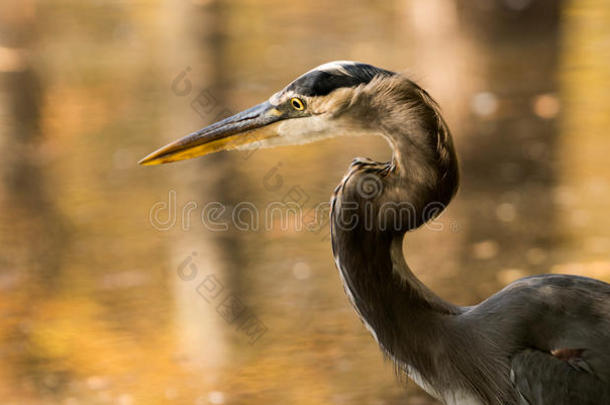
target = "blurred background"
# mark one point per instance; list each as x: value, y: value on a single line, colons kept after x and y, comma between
x: 114, y: 290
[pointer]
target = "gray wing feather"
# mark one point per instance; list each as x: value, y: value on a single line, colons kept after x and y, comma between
x: 542, y: 379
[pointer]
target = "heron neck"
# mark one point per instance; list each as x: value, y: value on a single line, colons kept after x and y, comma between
x: 405, y: 316
x: 402, y: 313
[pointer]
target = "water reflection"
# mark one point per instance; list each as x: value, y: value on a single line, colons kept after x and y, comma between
x: 99, y: 306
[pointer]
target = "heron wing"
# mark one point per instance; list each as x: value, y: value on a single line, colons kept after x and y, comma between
x: 566, y: 377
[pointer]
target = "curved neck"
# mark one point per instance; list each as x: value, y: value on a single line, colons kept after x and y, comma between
x: 408, y: 320
x: 426, y: 336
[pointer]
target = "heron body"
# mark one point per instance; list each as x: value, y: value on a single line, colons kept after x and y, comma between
x: 542, y: 340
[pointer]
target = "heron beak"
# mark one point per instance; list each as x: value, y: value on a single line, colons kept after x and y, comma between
x: 239, y: 130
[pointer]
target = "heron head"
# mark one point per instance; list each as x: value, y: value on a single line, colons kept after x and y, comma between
x: 316, y: 105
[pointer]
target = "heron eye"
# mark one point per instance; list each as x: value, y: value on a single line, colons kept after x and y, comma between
x: 297, y: 104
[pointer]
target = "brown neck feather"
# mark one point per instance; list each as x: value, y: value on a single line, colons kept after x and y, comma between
x: 373, y: 208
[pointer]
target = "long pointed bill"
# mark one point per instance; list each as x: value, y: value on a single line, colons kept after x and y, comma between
x: 246, y: 127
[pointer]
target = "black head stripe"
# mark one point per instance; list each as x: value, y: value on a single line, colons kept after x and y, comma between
x: 322, y: 82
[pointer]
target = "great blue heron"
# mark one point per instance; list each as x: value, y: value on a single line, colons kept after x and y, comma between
x: 541, y: 340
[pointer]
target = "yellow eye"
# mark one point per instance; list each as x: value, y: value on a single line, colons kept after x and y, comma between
x: 297, y: 104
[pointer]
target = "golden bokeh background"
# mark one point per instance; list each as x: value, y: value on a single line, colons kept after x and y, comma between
x: 107, y: 270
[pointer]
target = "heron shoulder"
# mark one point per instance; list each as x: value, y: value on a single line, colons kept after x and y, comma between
x: 552, y: 292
